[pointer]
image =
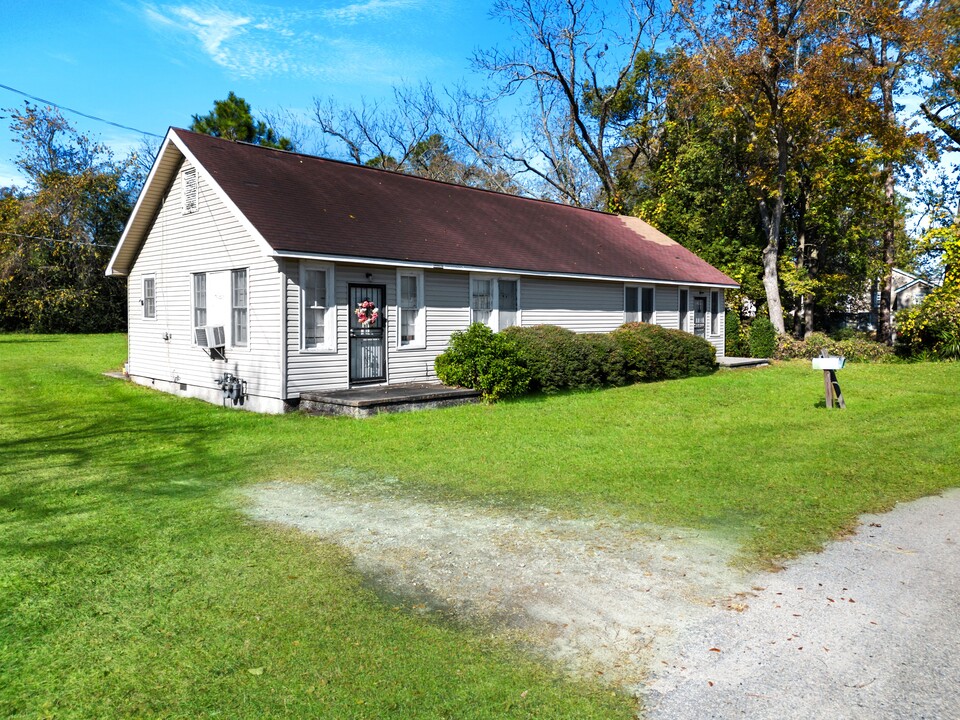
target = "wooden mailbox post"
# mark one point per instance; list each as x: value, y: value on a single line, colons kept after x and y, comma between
x: 831, y: 387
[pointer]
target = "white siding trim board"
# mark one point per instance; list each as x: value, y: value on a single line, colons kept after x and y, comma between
x: 383, y: 262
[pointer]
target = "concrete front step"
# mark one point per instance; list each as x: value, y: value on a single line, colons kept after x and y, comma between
x: 369, y: 400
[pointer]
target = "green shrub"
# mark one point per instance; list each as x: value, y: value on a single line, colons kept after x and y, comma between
x: 734, y: 337
x: 932, y: 328
x: 607, y: 359
x: 856, y: 348
x: 557, y: 358
x: 480, y: 359
x: 763, y: 338
x: 652, y: 352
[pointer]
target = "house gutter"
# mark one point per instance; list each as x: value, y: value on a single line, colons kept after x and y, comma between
x: 498, y: 271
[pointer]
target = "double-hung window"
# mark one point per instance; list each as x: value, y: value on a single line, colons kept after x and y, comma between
x: 638, y: 304
x: 318, y: 315
x: 714, y: 312
x: 411, y: 330
x: 684, y: 308
x: 238, y: 306
x: 495, y: 301
x: 149, y: 297
x: 199, y: 300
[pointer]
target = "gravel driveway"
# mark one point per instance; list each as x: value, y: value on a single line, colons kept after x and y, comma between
x: 870, y: 628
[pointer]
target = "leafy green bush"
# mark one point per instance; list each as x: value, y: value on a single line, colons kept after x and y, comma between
x: 856, y: 348
x: 652, y: 352
x: 735, y: 339
x: 932, y: 328
x: 607, y: 359
x: 763, y: 338
x: 480, y: 359
x: 557, y: 358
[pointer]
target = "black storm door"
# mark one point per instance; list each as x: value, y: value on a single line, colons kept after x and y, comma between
x: 700, y: 316
x: 368, y: 334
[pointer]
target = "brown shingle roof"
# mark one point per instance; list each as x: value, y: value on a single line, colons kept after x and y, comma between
x: 304, y: 204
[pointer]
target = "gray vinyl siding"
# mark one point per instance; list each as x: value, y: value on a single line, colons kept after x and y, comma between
x: 177, y: 246
x: 666, y: 303
x: 577, y: 305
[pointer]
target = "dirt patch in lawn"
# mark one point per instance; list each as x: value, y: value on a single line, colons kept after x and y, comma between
x: 604, y: 599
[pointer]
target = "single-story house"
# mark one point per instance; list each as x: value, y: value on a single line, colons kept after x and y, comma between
x: 271, y: 273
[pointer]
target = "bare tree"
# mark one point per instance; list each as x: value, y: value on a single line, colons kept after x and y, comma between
x: 574, y: 63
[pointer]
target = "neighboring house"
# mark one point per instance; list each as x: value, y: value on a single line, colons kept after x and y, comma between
x: 908, y: 289
x: 251, y: 262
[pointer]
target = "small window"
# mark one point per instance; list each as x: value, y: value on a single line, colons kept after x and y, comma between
x: 508, y: 303
x: 684, y: 305
x: 238, y: 306
x: 199, y: 300
x: 318, y: 316
x: 714, y: 312
x: 149, y: 297
x: 646, y: 304
x: 191, y: 195
x: 631, y: 304
x: 481, y: 301
x: 410, y: 310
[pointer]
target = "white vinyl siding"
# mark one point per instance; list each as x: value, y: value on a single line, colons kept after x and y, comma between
x: 238, y: 307
x: 149, y: 297
x: 411, y: 328
x: 319, y: 315
x: 206, y: 244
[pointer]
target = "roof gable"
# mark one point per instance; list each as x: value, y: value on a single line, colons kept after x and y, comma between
x: 308, y: 206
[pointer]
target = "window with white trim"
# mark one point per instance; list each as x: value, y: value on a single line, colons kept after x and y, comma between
x: 638, y: 304
x: 199, y: 299
x: 149, y: 297
x: 411, y: 328
x: 318, y: 315
x: 714, y: 312
x: 481, y: 301
x: 495, y: 301
x: 684, y: 308
x: 238, y: 306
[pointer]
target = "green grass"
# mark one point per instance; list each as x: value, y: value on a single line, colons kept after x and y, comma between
x: 131, y: 585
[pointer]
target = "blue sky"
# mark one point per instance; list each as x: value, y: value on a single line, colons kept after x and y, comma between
x: 150, y: 65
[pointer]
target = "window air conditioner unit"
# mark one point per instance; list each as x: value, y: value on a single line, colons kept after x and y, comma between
x: 211, y: 336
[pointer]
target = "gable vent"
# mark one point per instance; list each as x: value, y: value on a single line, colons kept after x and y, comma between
x: 191, y: 199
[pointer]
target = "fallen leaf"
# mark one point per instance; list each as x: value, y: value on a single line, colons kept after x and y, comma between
x: 710, y: 683
x: 714, y: 649
x: 256, y: 671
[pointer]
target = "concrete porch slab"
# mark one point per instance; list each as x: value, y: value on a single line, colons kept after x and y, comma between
x: 742, y: 362
x: 366, y: 401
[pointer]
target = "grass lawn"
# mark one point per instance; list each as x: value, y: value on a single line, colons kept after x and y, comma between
x: 131, y: 585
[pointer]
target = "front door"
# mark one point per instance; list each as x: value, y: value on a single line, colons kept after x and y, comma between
x: 700, y: 316
x: 368, y: 335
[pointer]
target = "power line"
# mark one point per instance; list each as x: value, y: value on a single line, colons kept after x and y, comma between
x: 77, y: 112
x: 55, y: 240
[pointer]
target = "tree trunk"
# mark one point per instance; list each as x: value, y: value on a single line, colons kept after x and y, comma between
x: 885, y: 311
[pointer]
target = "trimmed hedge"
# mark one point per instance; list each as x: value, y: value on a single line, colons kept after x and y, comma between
x: 854, y: 348
x: 549, y: 359
x: 763, y: 338
x: 654, y: 353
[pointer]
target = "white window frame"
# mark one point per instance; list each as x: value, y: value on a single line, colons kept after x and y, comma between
x: 245, y: 308
x: 186, y: 207
x: 152, y: 306
x: 193, y: 301
x: 715, y: 301
x: 640, y: 305
x: 494, y: 323
x: 330, y: 310
x: 683, y: 310
x: 419, y: 340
